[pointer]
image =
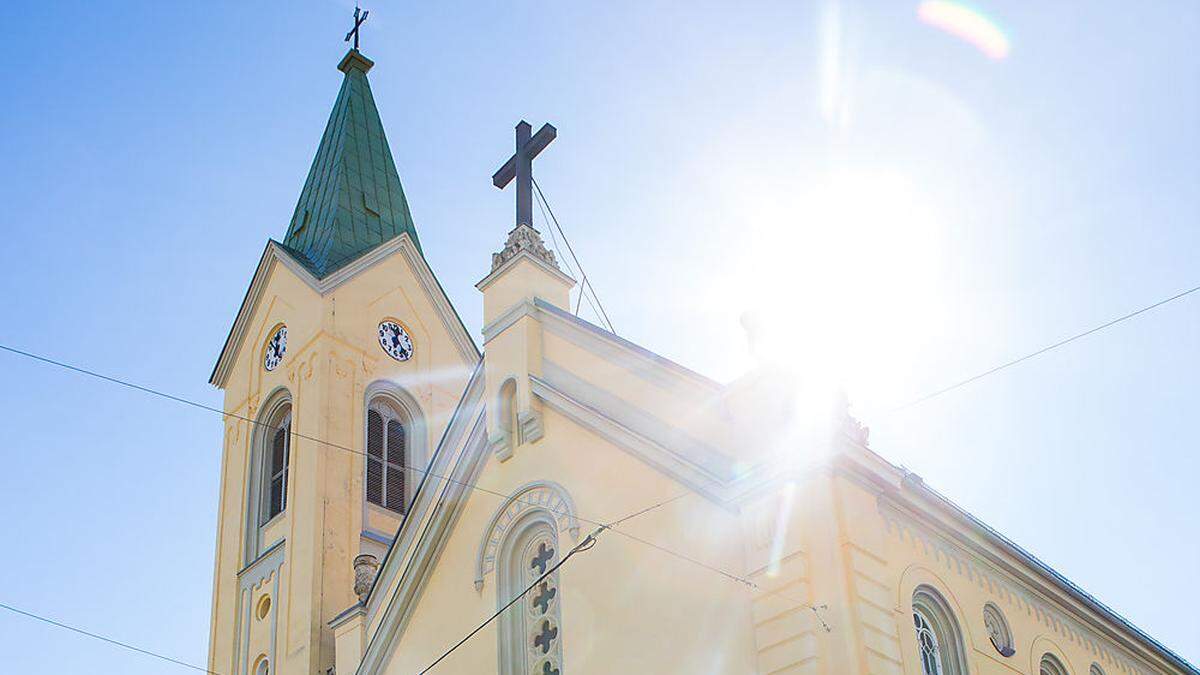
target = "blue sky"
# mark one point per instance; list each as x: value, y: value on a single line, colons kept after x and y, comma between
x: 884, y: 188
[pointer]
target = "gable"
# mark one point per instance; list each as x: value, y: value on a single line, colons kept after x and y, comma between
x: 277, y: 256
x: 437, y: 584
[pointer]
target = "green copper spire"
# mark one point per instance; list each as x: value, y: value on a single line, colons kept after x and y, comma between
x: 352, y: 200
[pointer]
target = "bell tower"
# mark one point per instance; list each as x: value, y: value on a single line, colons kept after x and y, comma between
x: 340, y: 373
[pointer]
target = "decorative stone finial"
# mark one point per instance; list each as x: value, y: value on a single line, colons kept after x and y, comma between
x: 524, y: 238
x: 366, y: 566
x: 851, y: 426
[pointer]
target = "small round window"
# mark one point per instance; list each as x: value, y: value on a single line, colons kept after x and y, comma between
x: 264, y: 607
x: 997, y: 629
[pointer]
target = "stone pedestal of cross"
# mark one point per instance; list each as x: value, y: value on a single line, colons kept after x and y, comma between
x: 520, y: 166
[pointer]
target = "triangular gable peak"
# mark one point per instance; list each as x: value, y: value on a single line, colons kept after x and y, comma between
x: 277, y: 255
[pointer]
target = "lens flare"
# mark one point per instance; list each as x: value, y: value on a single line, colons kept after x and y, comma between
x: 966, y: 23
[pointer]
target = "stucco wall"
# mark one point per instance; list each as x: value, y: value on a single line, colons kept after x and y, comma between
x: 332, y: 357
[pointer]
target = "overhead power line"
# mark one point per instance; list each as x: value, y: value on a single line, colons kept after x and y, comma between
x: 1045, y: 349
x: 583, y: 295
x: 111, y: 641
x: 424, y: 471
x: 584, y: 282
x: 584, y: 545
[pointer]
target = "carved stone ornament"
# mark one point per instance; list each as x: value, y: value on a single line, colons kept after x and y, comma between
x: 366, y: 566
x: 850, y: 425
x: 524, y: 238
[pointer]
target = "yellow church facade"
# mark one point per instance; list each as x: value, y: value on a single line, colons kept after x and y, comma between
x: 396, y: 500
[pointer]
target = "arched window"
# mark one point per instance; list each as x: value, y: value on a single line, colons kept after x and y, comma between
x: 531, y: 629
x: 264, y: 668
x: 938, y: 637
x: 1050, y: 665
x: 267, y: 473
x: 275, y: 467
x: 387, y: 454
x: 1095, y: 669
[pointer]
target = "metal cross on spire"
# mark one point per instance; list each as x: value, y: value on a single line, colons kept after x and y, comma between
x: 357, y: 22
x: 520, y: 166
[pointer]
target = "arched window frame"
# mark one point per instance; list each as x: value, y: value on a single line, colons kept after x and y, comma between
x: 274, y: 424
x: 939, y: 639
x: 1095, y: 669
x: 1051, y: 665
x: 530, y: 631
x: 403, y: 407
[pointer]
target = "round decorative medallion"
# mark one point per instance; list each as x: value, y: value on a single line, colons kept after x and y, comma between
x: 997, y: 629
x: 276, y: 346
x: 395, y: 340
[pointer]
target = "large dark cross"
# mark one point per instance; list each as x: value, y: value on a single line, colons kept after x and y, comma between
x: 520, y: 166
x: 357, y: 22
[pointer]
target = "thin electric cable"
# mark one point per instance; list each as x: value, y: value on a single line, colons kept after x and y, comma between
x: 155, y: 392
x: 259, y: 423
x: 583, y: 287
x: 554, y: 242
x: 571, y: 249
x: 97, y: 636
x: 1043, y: 350
x: 585, y: 545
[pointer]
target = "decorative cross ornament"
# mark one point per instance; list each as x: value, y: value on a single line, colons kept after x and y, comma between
x: 542, y: 558
x: 542, y: 641
x: 357, y: 22
x: 520, y: 166
x: 544, y: 597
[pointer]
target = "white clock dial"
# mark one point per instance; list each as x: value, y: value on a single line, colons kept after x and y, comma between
x: 395, y: 341
x: 275, y: 349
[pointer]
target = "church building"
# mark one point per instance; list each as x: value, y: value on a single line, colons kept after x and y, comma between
x: 396, y: 499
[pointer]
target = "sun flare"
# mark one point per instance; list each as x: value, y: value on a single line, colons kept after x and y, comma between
x: 843, y: 280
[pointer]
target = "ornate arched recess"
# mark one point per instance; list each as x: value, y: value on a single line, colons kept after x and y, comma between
x: 545, y: 498
x: 915, y: 582
x: 1041, y: 647
x: 413, y: 416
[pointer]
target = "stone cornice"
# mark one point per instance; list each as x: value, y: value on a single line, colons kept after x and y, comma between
x: 996, y: 558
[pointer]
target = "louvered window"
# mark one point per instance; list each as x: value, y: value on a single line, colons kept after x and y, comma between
x: 387, y: 445
x: 276, y: 469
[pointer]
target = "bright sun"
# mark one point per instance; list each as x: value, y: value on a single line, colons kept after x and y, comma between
x: 843, y: 280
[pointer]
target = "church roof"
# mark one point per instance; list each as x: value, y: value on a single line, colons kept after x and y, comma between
x: 352, y: 200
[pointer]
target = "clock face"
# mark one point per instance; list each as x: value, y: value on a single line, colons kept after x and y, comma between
x: 395, y: 341
x: 275, y: 349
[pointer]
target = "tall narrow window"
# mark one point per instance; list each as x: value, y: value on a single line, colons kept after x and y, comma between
x: 276, y: 467
x: 387, y: 456
x: 531, y: 629
x: 267, y: 469
x: 938, y: 638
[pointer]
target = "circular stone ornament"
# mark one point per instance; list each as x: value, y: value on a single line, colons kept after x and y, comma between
x: 276, y: 346
x: 998, y: 631
x: 395, y: 340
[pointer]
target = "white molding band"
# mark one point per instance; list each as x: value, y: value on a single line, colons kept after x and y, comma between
x: 674, y: 464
